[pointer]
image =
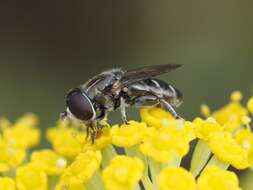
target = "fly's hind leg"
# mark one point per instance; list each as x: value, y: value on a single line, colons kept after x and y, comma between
x: 164, y: 104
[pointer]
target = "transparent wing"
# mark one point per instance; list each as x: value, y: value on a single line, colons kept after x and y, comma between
x: 143, y: 73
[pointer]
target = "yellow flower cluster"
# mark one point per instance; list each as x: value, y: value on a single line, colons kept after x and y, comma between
x: 144, y: 154
x: 212, y: 178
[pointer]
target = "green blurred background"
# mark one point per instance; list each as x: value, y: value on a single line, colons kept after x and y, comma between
x: 48, y: 47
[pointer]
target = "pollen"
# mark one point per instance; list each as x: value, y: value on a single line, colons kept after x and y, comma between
x: 246, y: 120
x: 61, y: 163
x: 246, y: 144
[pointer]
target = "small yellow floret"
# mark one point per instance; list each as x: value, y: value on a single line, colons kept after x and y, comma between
x: 163, y: 144
x: 236, y: 96
x: 7, y: 183
x: 127, y: 135
x: 103, y: 139
x: 205, y: 110
x: 250, y: 105
x: 246, y: 120
x: 155, y: 117
x: 214, y: 178
x: 176, y: 178
x: 230, y: 116
x: 123, y: 173
x: 204, y: 128
x: 245, y: 138
x: 66, y: 141
x: 10, y: 156
x: 22, y: 136
x: 49, y: 161
x: 227, y: 149
x: 83, y: 167
x: 30, y: 177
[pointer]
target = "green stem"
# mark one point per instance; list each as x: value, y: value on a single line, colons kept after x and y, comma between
x: 147, y: 183
x: 155, y: 168
x: 108, y: 153
x: 200, y: 157
x: 176, y: 161
x: 217, y: 162
x: 95, y: 183
x: 52, y: 180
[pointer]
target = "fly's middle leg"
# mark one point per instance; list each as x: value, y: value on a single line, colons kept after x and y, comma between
x: 123, y: 110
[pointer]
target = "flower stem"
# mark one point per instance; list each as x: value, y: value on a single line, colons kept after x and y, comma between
x: 155, y: 168
x: 200, y: 157
x: 108, y: 153
x: 95, y: 183
x: 147, y: 183
x: 217, y: 162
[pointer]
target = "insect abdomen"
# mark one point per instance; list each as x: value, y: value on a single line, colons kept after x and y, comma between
x: 153, y: 86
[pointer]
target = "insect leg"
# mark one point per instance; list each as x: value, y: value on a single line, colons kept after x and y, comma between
x: 101, y: 116
x: 123, y: 110
x: 94, y: 130
x: 169, y: 108
x: 87, y: 133
x: 147, y: 100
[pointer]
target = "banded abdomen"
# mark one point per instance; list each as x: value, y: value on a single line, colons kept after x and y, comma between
x: 157, y: 88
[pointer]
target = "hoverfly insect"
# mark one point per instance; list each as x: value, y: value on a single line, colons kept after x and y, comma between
x: 117, y: 89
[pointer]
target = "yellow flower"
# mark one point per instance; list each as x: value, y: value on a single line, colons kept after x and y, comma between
x: 205, y: 110
x: 10, y: 156
x: 204, y: 128
x: 250, y: 105
x: 163, y: 144
x: 226, y: 148
x: 49, y: 161
x: 7, y: 183
x: 74, y: 184
x: 155, y: 117
x: 28, y: 120
x: 127, y: 135
x: 103, y: 139
x: 83, y: 167
x: 66, y: 141
x: 22, y: 136
x: 123, y: 173
x: 214, y: 178
x: 230, y: 115
x: 29, y: 177
x: 245, y: 138
x: 176, y: 178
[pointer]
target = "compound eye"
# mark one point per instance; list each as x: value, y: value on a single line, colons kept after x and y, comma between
x: 80, y: 105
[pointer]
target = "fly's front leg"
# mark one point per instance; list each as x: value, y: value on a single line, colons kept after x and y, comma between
x: 95, y: 129
x: 123, y: 110
x: 169, y: 108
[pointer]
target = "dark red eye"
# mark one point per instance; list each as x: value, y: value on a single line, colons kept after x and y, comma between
x: 80, y: 105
